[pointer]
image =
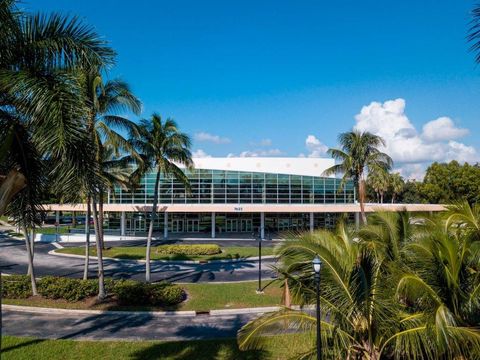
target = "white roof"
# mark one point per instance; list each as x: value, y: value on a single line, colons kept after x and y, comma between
x: 276, y: 165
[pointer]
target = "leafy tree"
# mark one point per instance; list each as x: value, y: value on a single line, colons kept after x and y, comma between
x: 397, y: 184
x: 163, y: 146
x: 359, y: 154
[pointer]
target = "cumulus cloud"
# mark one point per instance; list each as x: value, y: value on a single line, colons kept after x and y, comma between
x: 200, y: 154
x: 257, y: 153
x: 406, y: 145
x: 315, y: 146
x: 207, y: 137
x: 442, y: 128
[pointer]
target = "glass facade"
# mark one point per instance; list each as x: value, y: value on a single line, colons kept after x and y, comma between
x: 238, y: 187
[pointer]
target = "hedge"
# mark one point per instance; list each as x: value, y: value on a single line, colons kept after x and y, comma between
x: 196, y: 249
x: 127, y: 292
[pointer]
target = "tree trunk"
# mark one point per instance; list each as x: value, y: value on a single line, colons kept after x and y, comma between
x: 361, y: 198
x: 393, y: 198
x: 99, y: 244
x: 100, y: 217
x: 150, y: 228
x: 32, y: 251
x: 87, y: 240
x: 381, y: 198
x: 30, y: 261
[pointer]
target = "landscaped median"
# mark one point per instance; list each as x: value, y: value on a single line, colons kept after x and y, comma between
x: 129, y: 295
x: 194, y: 252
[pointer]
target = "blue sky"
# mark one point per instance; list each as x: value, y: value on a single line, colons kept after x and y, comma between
x: 259, y: 77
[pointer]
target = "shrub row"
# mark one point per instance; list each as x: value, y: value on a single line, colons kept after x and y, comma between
x: 196, y: 249
x: 127, y: 292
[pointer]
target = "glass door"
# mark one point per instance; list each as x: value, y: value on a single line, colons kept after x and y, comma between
x: 246, y: 225
x: 193, y: 225
x: 232, y: 225
x: 177, y: 225
x: 139, y: 225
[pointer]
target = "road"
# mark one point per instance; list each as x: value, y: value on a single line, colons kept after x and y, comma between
x: 13, y: 260
x: 126, y: 327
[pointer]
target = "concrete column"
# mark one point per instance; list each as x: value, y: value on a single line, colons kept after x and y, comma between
x: 262, y: 225
x: 357, y: 220
x: 311, y: 222
x: 123, y: 221
x: 213, y: 225
x: 87, y: 220
x: 165, y: 225
x: 57, y: 217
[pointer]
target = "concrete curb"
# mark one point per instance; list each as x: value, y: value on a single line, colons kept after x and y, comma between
x: 43, y: 310
x: 259, y: 310
x: 185, y: 262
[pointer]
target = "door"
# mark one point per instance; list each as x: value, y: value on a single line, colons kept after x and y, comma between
x: 177, y: 225
x: 246, y: 225
x: 139, y: 225
x: 232, y: 225
x: 193, y: 225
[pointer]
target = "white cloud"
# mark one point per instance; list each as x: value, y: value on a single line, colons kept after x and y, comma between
x: 261, y: 143
x: 315, y: 146
x: 442, y: 128
x: 200, y: 154
x: 403, y: 142
x: 256, y: 153
x: 207, y: 137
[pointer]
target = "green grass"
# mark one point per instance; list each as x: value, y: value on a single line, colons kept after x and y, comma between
x: 138, y: 253
x: 51, y: 230
x: 200, y: 297
x: 25, y: 348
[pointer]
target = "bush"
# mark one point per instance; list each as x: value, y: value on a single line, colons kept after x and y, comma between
x: 16, y: 287
x: 165, y: 294
x: 68, y: 289
x: 130, y: 292
x: 197, y: 249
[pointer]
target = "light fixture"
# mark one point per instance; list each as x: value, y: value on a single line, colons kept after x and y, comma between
x: 317, y: 264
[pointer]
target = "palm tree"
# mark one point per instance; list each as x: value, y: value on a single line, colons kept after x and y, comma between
x: 40, y: 107
x: 359, y: 154
x: 378, y: 180
x: 104, y: 102
x: 163, y: 146
x: 396, y: 185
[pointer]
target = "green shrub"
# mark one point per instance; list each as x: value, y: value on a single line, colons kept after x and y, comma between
x: 16, y: 287
x: 197, y: 249
x: 165, y: 294
x: 130, y: 292
x: 65, y: 288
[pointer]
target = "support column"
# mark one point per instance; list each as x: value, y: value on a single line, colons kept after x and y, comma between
x: 57, y: 217
x: 165, y: 225
x: 123, y: 221
x: 357, y: 220
x: 262, y: 225
x: 213, y: 225
x: 311, y: 222
x: 87, y: 220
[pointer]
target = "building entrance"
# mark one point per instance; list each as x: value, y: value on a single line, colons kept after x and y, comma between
x: 193, y: 225
x: 177, y: 225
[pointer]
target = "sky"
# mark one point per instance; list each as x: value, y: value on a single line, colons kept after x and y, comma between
x: 284, y: 78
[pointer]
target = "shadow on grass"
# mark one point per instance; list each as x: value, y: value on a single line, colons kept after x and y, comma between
x: 221, y: 349
x: 21, y: 345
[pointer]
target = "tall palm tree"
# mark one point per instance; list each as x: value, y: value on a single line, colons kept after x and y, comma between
x: 396, y: 185
x: 41, y: 107
x: 105, y: 101
x: 163, y: 146
x: 358, y: 155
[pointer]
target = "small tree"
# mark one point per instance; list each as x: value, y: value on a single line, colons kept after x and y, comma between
x: 396, y: 185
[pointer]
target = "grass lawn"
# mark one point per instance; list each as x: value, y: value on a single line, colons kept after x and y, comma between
x: 138, y: 253
x: 279, y: 347
x: 200, y: 297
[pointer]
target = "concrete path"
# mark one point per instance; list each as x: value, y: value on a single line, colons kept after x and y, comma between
x: 124, y: 326
x: 13, y: 260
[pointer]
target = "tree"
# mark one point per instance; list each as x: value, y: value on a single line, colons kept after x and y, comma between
x: 358, y: 155
x: 396, y: 185
x: 104, y: 101
x: 378, y: 180
x: 162, y: 146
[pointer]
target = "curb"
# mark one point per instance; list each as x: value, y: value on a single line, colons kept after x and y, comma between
x: 186, y: 262
x: 43, y: 310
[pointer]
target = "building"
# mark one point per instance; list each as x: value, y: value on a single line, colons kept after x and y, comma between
x: 261, y: 196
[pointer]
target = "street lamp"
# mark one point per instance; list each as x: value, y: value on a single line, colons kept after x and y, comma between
x: 317, y: 266
x: 259, y: 289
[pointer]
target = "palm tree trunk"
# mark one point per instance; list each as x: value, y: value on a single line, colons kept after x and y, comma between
x: 381, y: 198
x: 87, y: 240
x: 30, y: 261
x: 393, y: 198
x: 32, y: 250
x: 150, y: 228
x: 99, y: 244
x: 361, y: 198
x: 100, y: 216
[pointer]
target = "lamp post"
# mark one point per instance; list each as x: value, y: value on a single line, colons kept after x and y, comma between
x: 259, y: 289
x: 317, y: 266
